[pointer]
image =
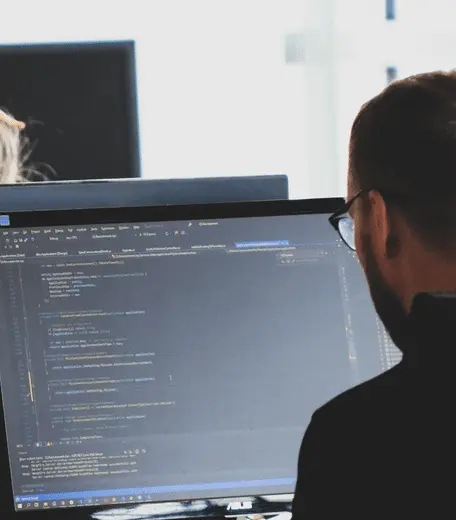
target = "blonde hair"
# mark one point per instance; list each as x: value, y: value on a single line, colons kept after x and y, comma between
x: 11, y: 149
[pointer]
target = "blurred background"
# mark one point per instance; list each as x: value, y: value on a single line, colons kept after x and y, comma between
x: 211, y: 87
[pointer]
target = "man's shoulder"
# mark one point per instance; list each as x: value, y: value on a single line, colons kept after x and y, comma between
x: 364, y: 399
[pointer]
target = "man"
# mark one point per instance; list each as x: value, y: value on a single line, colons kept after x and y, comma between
x: 387, y: 448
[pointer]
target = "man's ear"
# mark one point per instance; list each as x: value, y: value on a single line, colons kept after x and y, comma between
x: 383, y: 239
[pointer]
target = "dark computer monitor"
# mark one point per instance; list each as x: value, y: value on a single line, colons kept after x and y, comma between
x: 79, y: 101
x: 140, y: 192
x: 174, y: 354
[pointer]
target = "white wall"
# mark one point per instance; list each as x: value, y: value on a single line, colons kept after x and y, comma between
x: 216, y: 96
x: 423, y: 36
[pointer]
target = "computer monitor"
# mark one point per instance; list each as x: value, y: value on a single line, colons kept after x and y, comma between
x: 140, y: 192
x: 174, y: 354
x: 82, y: 109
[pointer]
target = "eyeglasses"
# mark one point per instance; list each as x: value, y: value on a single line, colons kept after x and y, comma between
x: 342, y: 222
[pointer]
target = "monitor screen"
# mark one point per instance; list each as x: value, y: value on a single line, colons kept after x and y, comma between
x: 160, y: 354
x: 82, y: 110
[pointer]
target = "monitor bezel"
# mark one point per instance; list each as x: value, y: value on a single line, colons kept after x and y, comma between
x: 171, y: 212
x: 168, y: 213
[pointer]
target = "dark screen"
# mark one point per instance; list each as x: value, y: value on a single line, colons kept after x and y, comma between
x: 180, y: 360
x: 79, y: 103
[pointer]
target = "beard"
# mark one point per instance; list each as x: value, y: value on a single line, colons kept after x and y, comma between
x: 386, y: 301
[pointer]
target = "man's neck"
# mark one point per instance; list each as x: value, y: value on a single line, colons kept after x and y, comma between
x: 432, y: 326
x: 430, y: 273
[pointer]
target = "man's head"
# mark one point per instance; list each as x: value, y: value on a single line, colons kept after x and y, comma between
x: 403, y: 158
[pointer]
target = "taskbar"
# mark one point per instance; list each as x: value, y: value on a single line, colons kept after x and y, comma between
x: 139, y: 495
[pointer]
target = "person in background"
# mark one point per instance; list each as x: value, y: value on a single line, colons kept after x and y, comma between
x: 387, y: 448
x: 11, y: 150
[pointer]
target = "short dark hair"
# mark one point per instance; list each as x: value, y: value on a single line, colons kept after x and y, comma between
x: 404, y: 141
